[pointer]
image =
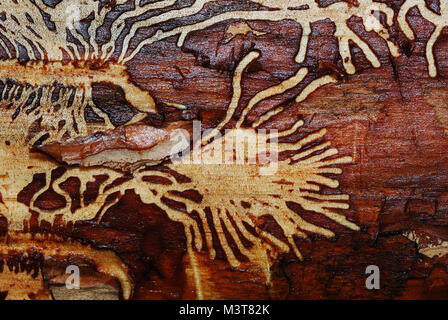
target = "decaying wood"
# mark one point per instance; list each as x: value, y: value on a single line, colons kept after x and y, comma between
x: 123, y: 148
x: 321, y: 149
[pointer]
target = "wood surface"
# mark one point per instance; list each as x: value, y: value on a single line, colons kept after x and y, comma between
x: 336, y: 119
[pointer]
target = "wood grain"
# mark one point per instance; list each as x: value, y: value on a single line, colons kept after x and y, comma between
x: 356, y: 92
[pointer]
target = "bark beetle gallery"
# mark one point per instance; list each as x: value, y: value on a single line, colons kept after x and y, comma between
x: 331, y: 118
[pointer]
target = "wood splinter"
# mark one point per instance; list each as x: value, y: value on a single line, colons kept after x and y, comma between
x: 124, y: 148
